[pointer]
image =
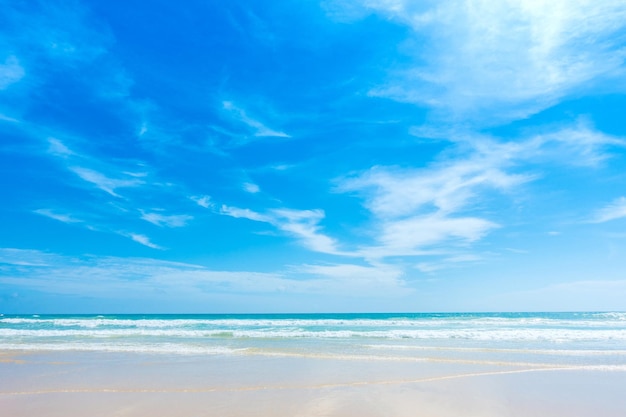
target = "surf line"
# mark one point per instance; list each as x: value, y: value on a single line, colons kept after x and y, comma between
x: 294, y: 387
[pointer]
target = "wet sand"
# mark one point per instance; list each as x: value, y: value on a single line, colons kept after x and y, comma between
x: 118, y: 384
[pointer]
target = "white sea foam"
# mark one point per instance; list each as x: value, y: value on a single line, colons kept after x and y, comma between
x: 169, y: 348
x: 559, y: 352
x: 616, y: 319
x: 502, y: 334
x: 584, y: 334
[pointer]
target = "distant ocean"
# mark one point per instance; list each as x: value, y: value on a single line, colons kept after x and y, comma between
x: 591, y: 339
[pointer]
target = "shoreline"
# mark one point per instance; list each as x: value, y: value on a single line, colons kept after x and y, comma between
x: 67, y: 383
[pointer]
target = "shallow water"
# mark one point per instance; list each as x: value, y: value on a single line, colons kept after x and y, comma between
x: 592, y: 340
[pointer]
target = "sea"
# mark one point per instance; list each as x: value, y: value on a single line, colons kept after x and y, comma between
x: 596, y: 340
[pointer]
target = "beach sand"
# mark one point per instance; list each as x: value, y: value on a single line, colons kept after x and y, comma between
x: 98, y: 384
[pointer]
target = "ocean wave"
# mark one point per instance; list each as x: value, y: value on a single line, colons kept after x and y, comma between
x: 522, y: 334
x: 595, y: 320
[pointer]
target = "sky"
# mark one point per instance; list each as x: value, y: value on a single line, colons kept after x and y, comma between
x: 312, y: 156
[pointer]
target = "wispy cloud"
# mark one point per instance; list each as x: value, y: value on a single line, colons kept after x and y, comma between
x: 240, y: 213
x: 302, y: 224
x: 251, y: 188
x: 27, y: 257
x: 62, y: 217
x: 202, y: 201
x: 145, y: 278
x: 438, y: 211
x: 10, y: 72
x: 172, y: 220
x: 52, y: 38
x: 59, y: 148
x: 581, y: 141
x: 90, y: 168
x: 416, y: 210
x: 5, y: 118
x: 305, y: 225
x: 380, y: 273
x: 358, y: 280
x: 615, y: 210
x: 403, y: 236
x: 106, y: 184
x: 491, y: 62
x: 141, y: 239
x: 258, y: 128
x: 444, y: 188
x: 448, y: 262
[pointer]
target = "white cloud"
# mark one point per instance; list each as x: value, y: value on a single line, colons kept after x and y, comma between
x: 302, y: 224
x: 357, y: 280
x: 282, y: 167
x: 376, y: 273
x: 402, y: 236
x: 144, y: 278
x: 446, y: 188
x: 9, y: 119
x: 492, y: 62
x: 143, y: 240
x: 447, y: 262
x: 58, y: 148
x: 425, y: 211
x: 578, y: 145
x: 158, y: 219
x: 106, y: 184
x: 143, y: 129
x: 251, y: 188
x: 615, y: 210
x: 65, y: 218
x: 416, y: 211
x: 10, y: 72
x: 135, y: 174
x: 259, y: 129
x: 435, y: 210
x: 202, y: 201
x: 26, y: 257
x: 245, y: 214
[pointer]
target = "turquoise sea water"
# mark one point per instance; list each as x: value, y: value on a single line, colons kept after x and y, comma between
x: 590, y: 339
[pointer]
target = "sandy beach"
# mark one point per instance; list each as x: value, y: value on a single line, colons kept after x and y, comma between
x: 115, y: 384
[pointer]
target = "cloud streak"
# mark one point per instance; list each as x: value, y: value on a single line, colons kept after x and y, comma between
x: 202, y: 201
x: 251, y: 188
x: 146, y: 278
x: 301, y: 224
x: 65, y: 218
x: 438, y: 210
x: 10, y: 72
x: 491, y: 63
x: 417, y: 210
x: 614, y: 211
x: 142, y: 240
x: 258, y: 128
x: 164, y: 220
x: 105, y: 183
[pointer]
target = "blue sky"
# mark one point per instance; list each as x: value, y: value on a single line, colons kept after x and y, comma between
x: 312, y: 156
